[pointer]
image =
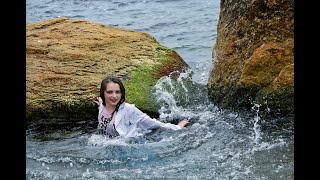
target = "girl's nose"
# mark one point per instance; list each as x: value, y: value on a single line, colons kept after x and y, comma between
x: 114, y: 94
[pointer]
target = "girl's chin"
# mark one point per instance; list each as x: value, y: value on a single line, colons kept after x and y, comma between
x: 114, y: 103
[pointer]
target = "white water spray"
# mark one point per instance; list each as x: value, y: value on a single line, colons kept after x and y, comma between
x: 166, y: 89
x: 256, y: 126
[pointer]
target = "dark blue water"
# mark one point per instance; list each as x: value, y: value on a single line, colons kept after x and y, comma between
x: 218, y: 144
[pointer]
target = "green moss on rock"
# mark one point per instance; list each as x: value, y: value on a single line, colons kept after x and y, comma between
x: 141, y: 81
x: 139, y: 89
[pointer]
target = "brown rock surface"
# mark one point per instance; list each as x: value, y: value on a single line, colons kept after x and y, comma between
x: 255, y: 43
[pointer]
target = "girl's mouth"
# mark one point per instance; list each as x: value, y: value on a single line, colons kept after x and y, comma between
x: 114, y: 100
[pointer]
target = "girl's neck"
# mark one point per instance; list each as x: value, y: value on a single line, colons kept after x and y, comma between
x: 110, y: 109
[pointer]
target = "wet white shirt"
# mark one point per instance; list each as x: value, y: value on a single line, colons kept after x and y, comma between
x: 132, y: 122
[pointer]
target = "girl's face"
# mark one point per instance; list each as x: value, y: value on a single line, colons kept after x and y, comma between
x: 112, y: 94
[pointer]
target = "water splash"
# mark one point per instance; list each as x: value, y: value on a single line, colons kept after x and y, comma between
x: 256, y: 126
x: 171, y: 94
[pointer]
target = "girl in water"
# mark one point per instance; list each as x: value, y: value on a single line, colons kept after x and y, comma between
x: 118, y: 118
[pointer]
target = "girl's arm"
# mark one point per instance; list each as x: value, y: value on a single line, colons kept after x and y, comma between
x: 149, y: 123
x: 146, y: 123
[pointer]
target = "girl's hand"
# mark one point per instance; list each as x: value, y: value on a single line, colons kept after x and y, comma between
x: 183, y: 123
x: 98, y: 101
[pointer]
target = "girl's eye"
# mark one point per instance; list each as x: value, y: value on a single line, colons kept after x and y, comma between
x: 110, y: 92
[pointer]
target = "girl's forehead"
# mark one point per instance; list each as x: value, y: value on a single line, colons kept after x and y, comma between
x: 112, y: 85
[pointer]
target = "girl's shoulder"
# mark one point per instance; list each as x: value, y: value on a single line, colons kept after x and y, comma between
x: 127, y: 109
x: 126, y: 106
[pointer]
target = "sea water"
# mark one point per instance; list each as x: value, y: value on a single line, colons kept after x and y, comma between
x: 217, y: 144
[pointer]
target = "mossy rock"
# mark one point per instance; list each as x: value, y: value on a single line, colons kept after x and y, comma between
x: 66, y: 60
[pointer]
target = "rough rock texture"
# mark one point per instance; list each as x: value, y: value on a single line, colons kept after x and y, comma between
x: 253, y: 58
x: 66, y: 59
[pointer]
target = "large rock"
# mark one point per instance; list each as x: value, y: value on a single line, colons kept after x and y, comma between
x: 253, y: 58
x: 66, y: 59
